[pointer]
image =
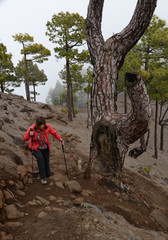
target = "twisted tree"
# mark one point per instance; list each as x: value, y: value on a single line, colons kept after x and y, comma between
x: 112, y: 132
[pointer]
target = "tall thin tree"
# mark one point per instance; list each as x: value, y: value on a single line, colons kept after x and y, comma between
x: 37, y: 51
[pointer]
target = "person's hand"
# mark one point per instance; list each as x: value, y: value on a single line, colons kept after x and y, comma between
x: 62, y: 142
x: 31, y: 133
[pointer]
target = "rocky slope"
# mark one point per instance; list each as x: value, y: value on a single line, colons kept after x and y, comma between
x: 74, y: 208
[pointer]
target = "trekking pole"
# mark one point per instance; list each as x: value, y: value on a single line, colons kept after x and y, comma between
x: 32, y: 157
x: 32, y: 152
x: 65, y: 161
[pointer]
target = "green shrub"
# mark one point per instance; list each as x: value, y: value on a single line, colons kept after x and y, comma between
x: 75, y: 111
x: 64, y: 110
x: 147, y: 169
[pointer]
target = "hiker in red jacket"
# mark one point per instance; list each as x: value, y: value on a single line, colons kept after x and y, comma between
x: 39, y: 133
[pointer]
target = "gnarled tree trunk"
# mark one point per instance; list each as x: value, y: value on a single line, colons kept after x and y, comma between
x: 113, y: 132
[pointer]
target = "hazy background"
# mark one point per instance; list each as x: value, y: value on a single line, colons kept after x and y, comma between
x: 31, y: 16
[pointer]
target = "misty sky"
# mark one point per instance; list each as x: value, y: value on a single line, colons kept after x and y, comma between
x: 31, y: 16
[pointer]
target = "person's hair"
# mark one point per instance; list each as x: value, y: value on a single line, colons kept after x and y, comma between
x: 40, y: 121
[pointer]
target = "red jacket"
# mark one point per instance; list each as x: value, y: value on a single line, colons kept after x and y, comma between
x: 48, y: 129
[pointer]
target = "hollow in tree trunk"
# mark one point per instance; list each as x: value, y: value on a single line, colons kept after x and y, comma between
x: 112, y: 132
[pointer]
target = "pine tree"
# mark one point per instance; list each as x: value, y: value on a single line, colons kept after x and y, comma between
x: 7, y: 75
x: 36, y: 76
x: 32, y: 52
x: 67, y: 32
x: 77, y: 81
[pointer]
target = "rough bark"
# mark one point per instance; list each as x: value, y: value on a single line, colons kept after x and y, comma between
x: 88, y: 109
x: 113, y: 132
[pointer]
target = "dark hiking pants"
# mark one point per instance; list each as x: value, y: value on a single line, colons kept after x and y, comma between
x: 43, y: 162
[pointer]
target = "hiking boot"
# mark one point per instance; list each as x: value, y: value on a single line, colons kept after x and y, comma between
x: 43, y: 181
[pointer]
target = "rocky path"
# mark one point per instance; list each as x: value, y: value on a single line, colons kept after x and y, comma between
x: 78, y: 209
